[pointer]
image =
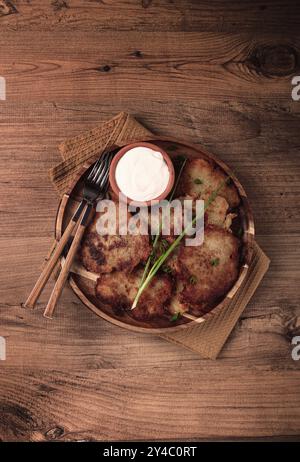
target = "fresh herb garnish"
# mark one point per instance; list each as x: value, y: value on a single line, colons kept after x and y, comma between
x: 198, y: 181
x: 148, y: 275
x: 164, y: 244
x: 193, y: 280
x: 166, y: 269
x: 176, y: 316
x: 215, y: 261
x: 152, y: 257
x: 156, y: 238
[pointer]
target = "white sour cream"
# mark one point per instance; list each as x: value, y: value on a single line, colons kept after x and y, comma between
x: 142, y: 174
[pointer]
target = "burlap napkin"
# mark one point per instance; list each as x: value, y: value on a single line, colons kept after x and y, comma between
x: 122, y: 129
x: 207, y: 338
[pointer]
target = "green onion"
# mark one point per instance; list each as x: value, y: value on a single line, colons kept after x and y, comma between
x: 198, y: 181
x: 152, y: 254
x: 164, y: 244
x: 176, y: 316
x: 215, y: 261
x: 159, y: 262
x: 193, y: 280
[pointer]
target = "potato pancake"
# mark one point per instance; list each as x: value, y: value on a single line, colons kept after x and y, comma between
x: 177, y: 305
x: 118, y: 289
x: 193, y: 279
x: 200, y: 178
x: 103, y: 254
x: 208, y: 271
x: 217, y: 212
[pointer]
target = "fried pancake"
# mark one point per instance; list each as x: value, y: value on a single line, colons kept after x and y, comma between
x: 118, y: 289
x: 169, y: 221
x: 177, y: 305
x: 103, y: 254
x: 200, y: 178
x: 170, y: 265
x: 208, y: 271
x: 217, y: 212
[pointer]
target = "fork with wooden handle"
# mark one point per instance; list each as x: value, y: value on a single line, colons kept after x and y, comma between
x: 63, y: 275
x: 95, y: 186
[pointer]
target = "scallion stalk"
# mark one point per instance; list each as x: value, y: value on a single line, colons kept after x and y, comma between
x: 159, y: 262
x: 146, y: 269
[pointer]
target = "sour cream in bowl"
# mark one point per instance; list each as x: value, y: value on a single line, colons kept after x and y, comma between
x: 142, y: 172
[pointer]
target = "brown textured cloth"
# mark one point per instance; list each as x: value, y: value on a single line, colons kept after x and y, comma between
x: 207, y: 338
x: 122, y: 129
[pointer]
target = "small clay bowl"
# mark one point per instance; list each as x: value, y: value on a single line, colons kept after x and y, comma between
x: 113, y: 165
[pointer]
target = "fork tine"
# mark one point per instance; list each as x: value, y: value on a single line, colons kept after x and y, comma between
x: 99, y: 173
x: 102, y: 172
x: 93, y: 171
x: 97, y: 164
x: 103, y: 179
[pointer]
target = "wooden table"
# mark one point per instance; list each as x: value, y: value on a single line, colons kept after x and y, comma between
x: 217, y: 73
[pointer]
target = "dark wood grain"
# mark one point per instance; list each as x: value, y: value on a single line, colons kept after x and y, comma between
x: 92, y: 66
x: 154, y: 15
x: 216, y: 73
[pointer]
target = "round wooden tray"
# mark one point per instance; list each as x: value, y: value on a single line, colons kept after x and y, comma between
x: 83, y: 282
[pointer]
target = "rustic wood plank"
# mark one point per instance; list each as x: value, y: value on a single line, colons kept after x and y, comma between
x: 266, y: 328
x: 113, y: 404
x: 270, y: 172
x: 264, y: 332
x: 92, y: 66
x: 149, y: 15
x: 186, y: 70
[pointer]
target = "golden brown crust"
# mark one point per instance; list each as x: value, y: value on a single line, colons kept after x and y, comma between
x: 177, y: 304
x: 217, y: 213
x: 200, y: 178
x: 118, y: 289
x: 208, y: 271
x: 199, y: 276
x: 166, y: 220
x: 103, y: 254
